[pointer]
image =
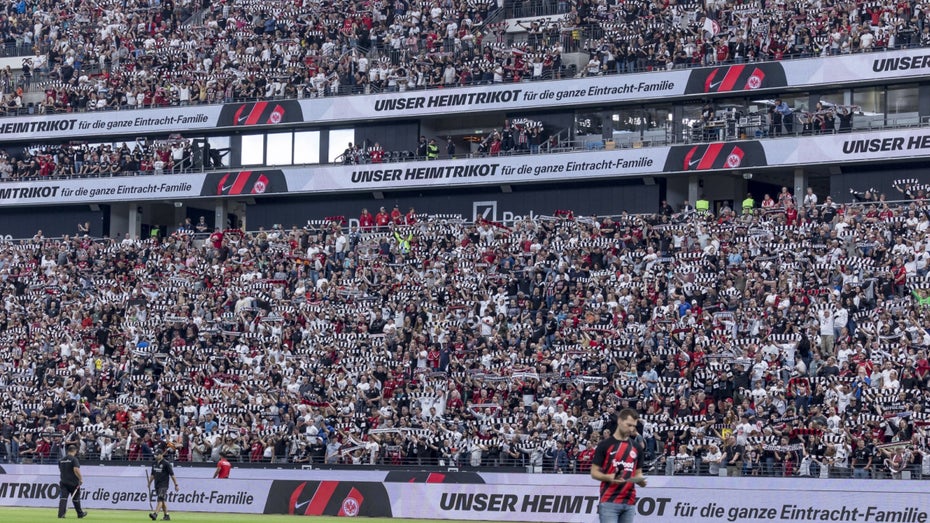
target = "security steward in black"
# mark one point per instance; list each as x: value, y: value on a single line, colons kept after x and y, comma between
x: 162, y: 471
x: 70, y: 483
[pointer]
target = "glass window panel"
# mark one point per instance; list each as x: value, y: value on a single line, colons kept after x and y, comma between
x: 835, y: 98
x: 625, y: 121
x: 253, y: 149
x: 307, y: 147
x: 587, y: 124
x: 871, y: 107
x: 648, y: 123
x: 656, y: 124
x: 659, y: 117
x: 279, y: 148
x: 339, y: 140
x: 219, y: 151
x: 691, y: 114
x: 902, y: 103
x: 869, y: 99
x: 218, y: 142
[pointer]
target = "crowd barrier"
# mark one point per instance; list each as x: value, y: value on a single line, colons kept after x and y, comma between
x: 478, y: 496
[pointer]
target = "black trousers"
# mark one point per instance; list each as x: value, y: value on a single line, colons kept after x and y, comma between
x: 69, y: 490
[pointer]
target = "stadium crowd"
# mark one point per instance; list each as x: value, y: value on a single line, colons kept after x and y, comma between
x: 118, y: 54
x: 638, y: 36
x: 153, y: 157
x: 786, y: 339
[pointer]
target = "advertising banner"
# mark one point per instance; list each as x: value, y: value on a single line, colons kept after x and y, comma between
x: 849, y: 148
x: 488, y: 170
x: 329, y: 178
x: 266, y: 181
x: 726, y: 156
x: 101, y: 492
x: 139, y: 188
x: 669, y: 499
x: 488, y: 496
x: 100, y: 190
x: 737, y: 77
x: 505, y: 97
x: 655, y: 85
x: 717, y: 155
x: 113, y: 124
x: 329, y: 498
x: 260, y: 113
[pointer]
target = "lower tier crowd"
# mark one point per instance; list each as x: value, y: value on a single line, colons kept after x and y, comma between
x: 787, y: 339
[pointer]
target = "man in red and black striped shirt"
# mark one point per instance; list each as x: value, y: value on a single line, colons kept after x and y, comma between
x: 618, y: 465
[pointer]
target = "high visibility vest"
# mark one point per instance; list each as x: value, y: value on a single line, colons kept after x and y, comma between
x: 403, y: 243
x: 702, y: 205
x: 432, y: 151
x: 749, y: 204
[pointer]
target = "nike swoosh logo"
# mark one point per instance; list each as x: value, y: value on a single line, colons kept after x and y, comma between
x: 714, y: 85
x: 298, y: 506
x: 692, y: 163
x: 226, y: 188
x: 246, y: 117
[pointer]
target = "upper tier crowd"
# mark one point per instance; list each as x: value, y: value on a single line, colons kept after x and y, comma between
x: 149, y: 53
x: 84, y: 160
x: 785, y: 339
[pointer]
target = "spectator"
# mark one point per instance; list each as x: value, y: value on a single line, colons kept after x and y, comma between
x: 576, y: 335
x: 846, y: 118
x: 382, y: 219
x: 787, y: 116
x: 422, y: 148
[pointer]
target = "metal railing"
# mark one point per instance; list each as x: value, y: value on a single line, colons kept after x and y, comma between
x: 661, y: 466
x: 17, y: 49
x: 532, y: 8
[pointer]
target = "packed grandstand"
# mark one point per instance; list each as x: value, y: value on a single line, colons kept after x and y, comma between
x: 782, y: 341
x: 115, y: 54
x: 785, y: 340
x: 127, y: 55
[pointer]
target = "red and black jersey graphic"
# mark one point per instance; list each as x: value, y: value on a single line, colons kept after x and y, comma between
x: 717, y: 155
x: 237, y: 183
x: 328, y: 498
x: 620, y: 459
x: 737, y: 77
x: 260, y: 113
x: 412, y: 476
